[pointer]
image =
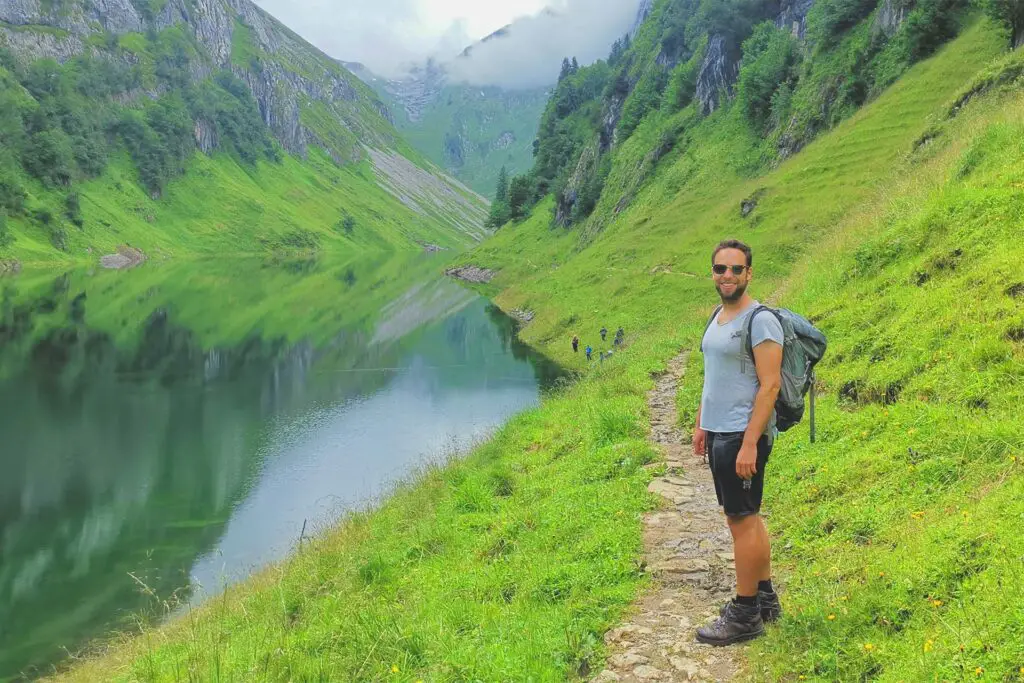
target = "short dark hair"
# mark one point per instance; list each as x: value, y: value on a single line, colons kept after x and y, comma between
x: 734, y: 244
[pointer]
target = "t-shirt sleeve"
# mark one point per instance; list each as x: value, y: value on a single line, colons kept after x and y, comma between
x: 766, y: 327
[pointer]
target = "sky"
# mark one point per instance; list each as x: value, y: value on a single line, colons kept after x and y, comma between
x: 388, y: 36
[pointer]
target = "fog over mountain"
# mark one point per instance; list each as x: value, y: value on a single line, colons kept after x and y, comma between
x: 529, y: 52
x: 390, y: 36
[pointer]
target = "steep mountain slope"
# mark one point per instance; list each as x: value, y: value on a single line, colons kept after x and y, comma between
x: 470, y: 131
x: 770, y: 76
x: 92, y: 89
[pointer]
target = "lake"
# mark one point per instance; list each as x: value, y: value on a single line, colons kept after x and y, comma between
x: 168, y: 430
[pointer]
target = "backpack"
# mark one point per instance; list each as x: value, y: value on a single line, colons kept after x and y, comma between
x: 803, y: 347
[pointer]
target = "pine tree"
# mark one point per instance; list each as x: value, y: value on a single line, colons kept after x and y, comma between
x: 501, y: 192
x: 566, y: 70
x: 575, y: 65
x: 499, y: 209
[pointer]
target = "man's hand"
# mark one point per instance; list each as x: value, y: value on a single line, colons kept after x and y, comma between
x: 746, y: 461
x: 700, y: 441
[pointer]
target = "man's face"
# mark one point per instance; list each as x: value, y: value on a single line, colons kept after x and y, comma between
x: 730, y: 285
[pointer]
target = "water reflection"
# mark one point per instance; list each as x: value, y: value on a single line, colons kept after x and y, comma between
x: 185, y: 421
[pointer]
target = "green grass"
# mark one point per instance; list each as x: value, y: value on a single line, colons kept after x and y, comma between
x: 223, y: 207
x: 901, y: 521
x: 480, y: 116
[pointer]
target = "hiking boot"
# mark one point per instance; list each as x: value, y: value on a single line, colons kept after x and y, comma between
x: 737, y: 624
x: 771, y: 608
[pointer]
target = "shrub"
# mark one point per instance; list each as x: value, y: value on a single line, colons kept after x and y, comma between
x: 828, y: 19
x: 6, y: 238
x: 770, y: 61
x: 48, y: 156
x: 73, y: 210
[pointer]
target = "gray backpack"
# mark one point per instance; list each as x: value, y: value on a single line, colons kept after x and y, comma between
x: 803, y: 347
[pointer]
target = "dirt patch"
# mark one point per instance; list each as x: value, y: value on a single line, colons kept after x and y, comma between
x: 471, y: 274
x: 9, y: 267
x: 125, y: 258
x: 689, y: 554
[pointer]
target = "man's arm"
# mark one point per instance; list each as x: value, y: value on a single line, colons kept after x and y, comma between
x: 768, y: 363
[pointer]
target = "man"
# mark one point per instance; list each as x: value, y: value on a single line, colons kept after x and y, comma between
x: 604, y: 333
x: 590, y: 350
x: 735, y: 427
x: 575, y: 344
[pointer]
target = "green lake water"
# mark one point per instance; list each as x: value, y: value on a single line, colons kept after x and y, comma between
x: 167, y: 430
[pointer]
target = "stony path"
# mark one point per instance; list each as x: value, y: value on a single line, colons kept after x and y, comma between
x: 689, y: 554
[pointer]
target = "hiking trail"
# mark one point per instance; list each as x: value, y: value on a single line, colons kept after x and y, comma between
x: 688, y: 552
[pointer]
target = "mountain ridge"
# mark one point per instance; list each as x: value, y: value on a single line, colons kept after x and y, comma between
x: 303, y: 98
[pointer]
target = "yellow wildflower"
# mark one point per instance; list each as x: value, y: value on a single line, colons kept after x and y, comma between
x: 868, y: 647
x: 831, y: 617
x: 928, y: 645
x: 881, y: 575
x: 845, y: 598
x: 864, y: 434
x: 937, y: 603
x: 979, y: 671
x: 917, y: 515
x: 394, y: 668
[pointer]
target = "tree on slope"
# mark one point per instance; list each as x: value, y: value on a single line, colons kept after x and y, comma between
x: 499, y: 209
x: 1010, y: 13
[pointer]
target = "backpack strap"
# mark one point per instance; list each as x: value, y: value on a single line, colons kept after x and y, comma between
x: 708, y: 326
x: 750, y: 330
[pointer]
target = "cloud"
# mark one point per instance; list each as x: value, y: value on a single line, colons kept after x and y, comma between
x: 390, y: 36
x: 530, y: 54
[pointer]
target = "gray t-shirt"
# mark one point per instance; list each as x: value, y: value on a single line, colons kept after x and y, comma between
x: 730, y: 378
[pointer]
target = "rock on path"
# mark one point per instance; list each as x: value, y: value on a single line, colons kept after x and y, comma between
x: 689, y: 554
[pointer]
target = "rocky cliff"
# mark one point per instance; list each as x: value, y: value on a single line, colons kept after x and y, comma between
x: 303, y: 96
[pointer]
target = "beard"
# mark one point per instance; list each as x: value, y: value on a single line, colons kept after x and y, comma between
x: 737, y: 293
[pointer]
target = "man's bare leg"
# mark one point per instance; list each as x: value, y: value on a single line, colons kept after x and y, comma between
x: 752, y: 550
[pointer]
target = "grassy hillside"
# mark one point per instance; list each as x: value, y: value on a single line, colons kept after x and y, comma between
x: 207, y: 131
x: 894, y: 534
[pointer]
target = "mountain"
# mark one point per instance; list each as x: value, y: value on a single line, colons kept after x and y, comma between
x: 772, y: 75
x: 210, y: 114
x: 478, y: 112
x: 470, y: 131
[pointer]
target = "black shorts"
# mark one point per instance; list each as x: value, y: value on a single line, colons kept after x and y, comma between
x: 733, y: 496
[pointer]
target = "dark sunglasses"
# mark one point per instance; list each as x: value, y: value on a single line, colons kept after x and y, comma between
x: 720, y: 269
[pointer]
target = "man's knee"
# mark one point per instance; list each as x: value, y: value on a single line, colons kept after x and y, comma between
x: 741, y: 523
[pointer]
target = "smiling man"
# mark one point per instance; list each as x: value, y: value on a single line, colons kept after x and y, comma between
x: 735, y: 428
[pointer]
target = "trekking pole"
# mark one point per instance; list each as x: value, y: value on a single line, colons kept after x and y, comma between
x: 813, y: 382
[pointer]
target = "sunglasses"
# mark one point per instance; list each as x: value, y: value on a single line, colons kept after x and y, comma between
x: 721, y: 269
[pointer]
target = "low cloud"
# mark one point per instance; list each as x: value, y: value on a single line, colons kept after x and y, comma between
x: 530, y: 53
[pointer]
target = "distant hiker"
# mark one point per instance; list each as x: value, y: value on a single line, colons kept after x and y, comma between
x: 575, y: 344
x: 620, y: 336
x: 604, y: 333
x: 735, y: 430
x: 589, y: 351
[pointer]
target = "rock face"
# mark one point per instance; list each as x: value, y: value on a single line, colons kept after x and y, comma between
x: 642, y: 12
x: 717, y: 74
x: 69, y: 26
x: 566, y: 200
x: 793, y: 16
x: 890, y: 16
